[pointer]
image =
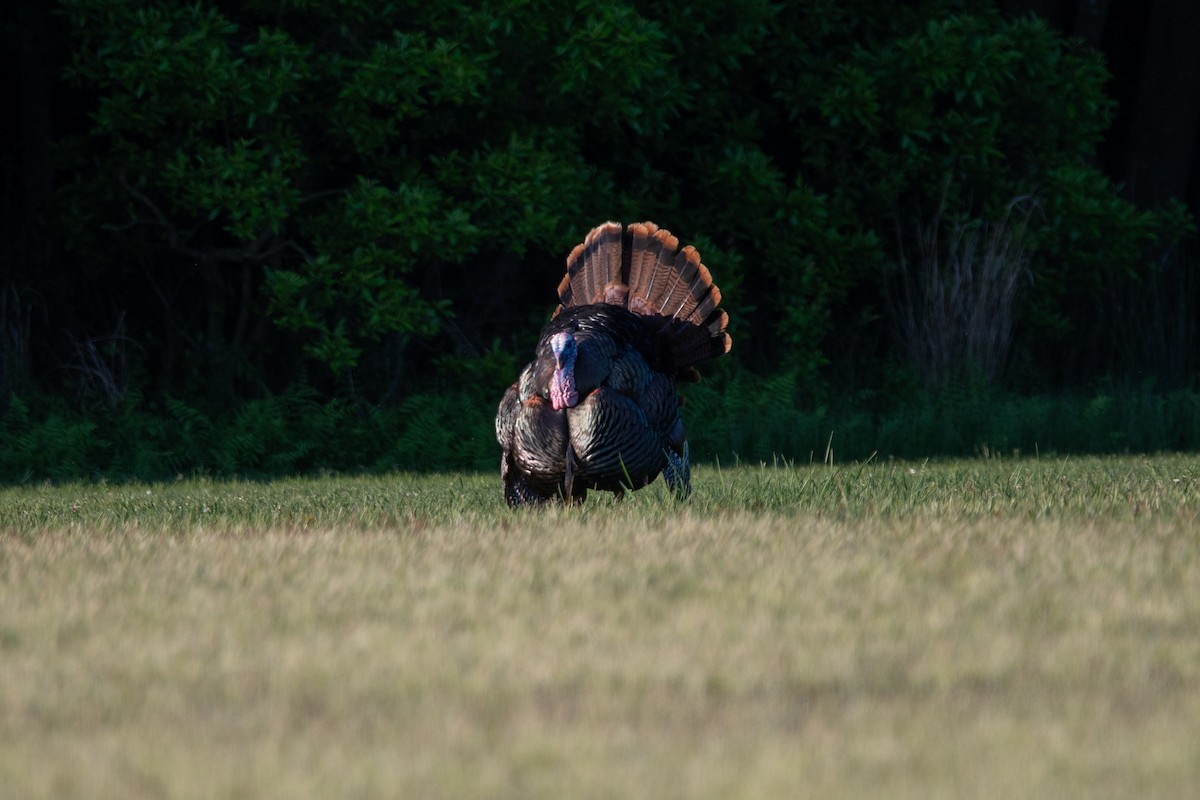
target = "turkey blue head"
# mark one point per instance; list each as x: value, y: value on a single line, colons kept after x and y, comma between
x: 562, y: 384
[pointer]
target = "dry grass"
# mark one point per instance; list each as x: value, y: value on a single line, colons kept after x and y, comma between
x: 977, y: 629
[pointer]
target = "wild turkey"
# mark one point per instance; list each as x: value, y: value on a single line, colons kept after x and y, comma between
x: 597, y: 407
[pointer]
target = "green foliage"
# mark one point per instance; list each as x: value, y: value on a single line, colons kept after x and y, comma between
x: 339, y: 162
x: 349, y: 150
x: 744, y: 417
x: 58, y: 445
x: 195, y: 114
x: 351, y: 292
x: 735, y: 416
x: 274, y: 435
x: 375, y: 201
x: 967, y: 112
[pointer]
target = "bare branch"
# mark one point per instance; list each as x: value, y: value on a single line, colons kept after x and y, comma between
x: 955, y: 304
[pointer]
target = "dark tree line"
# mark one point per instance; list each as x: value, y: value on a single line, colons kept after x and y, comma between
x: 1152, y: 146
x: 220, y: 201
x: 1153, y: 151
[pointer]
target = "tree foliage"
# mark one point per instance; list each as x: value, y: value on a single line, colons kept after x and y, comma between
x: 374, y: 199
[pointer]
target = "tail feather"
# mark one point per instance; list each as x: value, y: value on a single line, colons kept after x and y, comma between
x: 690, y: 344
x: 668, y: 283
x: 651, y: 251
x: 677, y: 300
x: 594, y: 269
x: 643, y: 269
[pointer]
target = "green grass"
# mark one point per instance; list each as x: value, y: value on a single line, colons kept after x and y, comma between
x: 967, y: 629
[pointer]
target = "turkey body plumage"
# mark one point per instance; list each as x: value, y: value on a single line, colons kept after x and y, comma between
x: 597, y: 407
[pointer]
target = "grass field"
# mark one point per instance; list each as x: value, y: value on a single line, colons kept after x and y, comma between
x: 971, y: 629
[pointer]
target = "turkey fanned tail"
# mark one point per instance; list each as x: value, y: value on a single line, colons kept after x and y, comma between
x: 597, y: 407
